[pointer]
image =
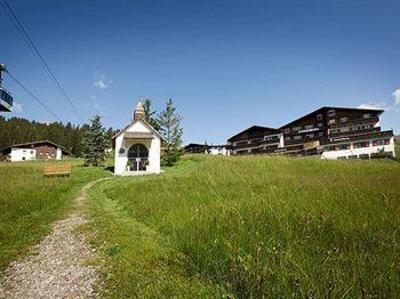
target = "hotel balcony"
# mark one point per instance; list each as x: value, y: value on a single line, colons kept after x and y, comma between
x: 356, y: 132
x: 256, y: 143
x: 370, y: 120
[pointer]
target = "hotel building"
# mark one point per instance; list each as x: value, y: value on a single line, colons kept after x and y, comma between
x: 331, y: 132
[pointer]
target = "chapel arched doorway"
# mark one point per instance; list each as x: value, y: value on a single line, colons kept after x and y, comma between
x: 138, y: 156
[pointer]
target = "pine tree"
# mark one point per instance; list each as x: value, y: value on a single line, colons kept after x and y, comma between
x: 94, y: 143
x: 172, y: 131
x: 150, y: 114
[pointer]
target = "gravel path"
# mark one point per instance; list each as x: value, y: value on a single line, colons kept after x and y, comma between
x: 57, y: 267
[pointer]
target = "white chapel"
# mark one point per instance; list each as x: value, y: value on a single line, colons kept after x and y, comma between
x: 137, y: 147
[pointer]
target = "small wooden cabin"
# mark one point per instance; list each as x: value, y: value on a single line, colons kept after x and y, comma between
x: 37, y: 150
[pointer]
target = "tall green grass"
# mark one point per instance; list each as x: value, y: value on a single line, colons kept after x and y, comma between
x: 256, y: 227
x: 29, y: 203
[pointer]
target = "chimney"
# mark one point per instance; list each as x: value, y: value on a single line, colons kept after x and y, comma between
x: 139, y: 111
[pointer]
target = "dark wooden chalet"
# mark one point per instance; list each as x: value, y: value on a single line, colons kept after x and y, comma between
x: 256, y: 139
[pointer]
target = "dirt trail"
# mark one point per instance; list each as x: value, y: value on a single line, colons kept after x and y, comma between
x: 57, y: 267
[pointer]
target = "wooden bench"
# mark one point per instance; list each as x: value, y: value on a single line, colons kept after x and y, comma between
x: 52, y: 170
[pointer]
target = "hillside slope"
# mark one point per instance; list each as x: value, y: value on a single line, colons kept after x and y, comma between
x: 252, y: 227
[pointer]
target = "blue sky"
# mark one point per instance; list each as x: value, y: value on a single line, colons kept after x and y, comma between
x: 227, y: 64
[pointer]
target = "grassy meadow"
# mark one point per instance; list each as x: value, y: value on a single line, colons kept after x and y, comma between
x: 30, y: 202
x: 251, y: 227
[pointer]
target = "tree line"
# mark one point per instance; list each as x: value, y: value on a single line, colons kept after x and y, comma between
x: 17, y: 130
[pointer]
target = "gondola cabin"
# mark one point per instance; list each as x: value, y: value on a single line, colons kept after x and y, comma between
x: 6, y: 100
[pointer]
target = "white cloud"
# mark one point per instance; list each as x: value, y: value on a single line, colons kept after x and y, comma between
x: 17, y: 107
x: 370, y: 105
x: 101, y: 81
x: 396, y: 95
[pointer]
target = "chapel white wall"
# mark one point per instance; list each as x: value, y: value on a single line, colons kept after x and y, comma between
x: 153, y: 145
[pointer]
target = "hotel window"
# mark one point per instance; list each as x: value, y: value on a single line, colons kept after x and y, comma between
x: 367, y: 115
x: 319, y: 116
x: 272, y: 138
x: 255, y: 140
x: 320, y: 125
x: 320, y: 134
x: 381, y: 142
x: 331, y: 122
x: 296, y: 129
x: 297, y: 137
x: 344, y: 146
x: 241, y: 143
x: 287, y: 130
x: 361, y: 144
x: 331, y: 113
x: 330, y: 148
x: 287, y: 138
x: 344, y: 119
x: 310, y: 136
x: 308, y: 127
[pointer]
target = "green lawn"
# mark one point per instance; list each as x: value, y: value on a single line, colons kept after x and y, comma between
x: 250, y: 227
x: 29, y: 203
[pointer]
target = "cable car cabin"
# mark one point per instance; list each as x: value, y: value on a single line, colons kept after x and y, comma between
x: 6, y: 100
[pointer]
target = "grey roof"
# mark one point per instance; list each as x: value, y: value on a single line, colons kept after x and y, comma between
x: 145, y: 123
x: 25, y: 144
x: 138, y: 135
